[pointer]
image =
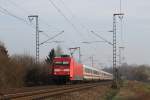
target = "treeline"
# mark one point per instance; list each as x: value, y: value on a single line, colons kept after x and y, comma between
x: 134, y: 72
x: 21, y: 70
x: 33, y: 74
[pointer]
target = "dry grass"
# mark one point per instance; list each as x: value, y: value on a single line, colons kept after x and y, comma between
x: 134, y: 90
x: 131, y: 90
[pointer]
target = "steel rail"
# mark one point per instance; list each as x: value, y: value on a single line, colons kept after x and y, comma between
x: 45, y: 93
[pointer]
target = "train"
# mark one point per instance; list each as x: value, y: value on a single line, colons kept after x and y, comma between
x: 67, y: 69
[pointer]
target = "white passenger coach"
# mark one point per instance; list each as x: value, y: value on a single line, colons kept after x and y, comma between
x: 91, y: 73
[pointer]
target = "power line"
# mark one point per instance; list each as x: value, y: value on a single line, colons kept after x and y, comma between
x: 52, y: 37
x: 74, y: 27
x: 105, y: 40
x: 48, y: 25
x: 45, y: 34
x: 74, y: 16
x: 17, y: 6
x: 5, y: 11
x: 25, y: 11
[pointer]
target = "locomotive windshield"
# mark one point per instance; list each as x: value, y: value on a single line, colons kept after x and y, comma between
x: 65, y: 63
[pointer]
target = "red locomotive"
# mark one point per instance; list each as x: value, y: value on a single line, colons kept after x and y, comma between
x: 66, y: 69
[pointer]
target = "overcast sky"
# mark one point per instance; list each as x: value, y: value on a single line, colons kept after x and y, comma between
x: 84, y: 15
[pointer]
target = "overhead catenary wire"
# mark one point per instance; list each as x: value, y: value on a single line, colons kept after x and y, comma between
x: 74, y: 16
x: 5, y: 11
x: 68, y: 20
x: 105, y: 40
x: 47, y: 24
x: 17, y: 6
x: 25, y: 11
x: 45, y: 34
x: 52, y: 37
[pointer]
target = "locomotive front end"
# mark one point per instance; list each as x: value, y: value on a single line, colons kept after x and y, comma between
x: 61, y: 69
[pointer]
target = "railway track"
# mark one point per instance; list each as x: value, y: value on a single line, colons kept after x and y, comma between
x: 27, y: 89
x: 48, y: 92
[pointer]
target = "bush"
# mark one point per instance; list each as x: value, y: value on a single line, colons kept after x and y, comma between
x: 134, y: 72
x: 10, y: 71
x: 21, y: 70
x: 34, y: 74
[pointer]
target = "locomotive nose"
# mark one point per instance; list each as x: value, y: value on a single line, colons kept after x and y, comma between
x: 61, y: 71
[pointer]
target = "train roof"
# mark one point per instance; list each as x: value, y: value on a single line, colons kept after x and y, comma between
x: 85, y: 66
x: 92, y: 68
x: 106, y: 72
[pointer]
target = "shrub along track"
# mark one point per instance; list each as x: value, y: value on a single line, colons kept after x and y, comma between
x: 48, y: 91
